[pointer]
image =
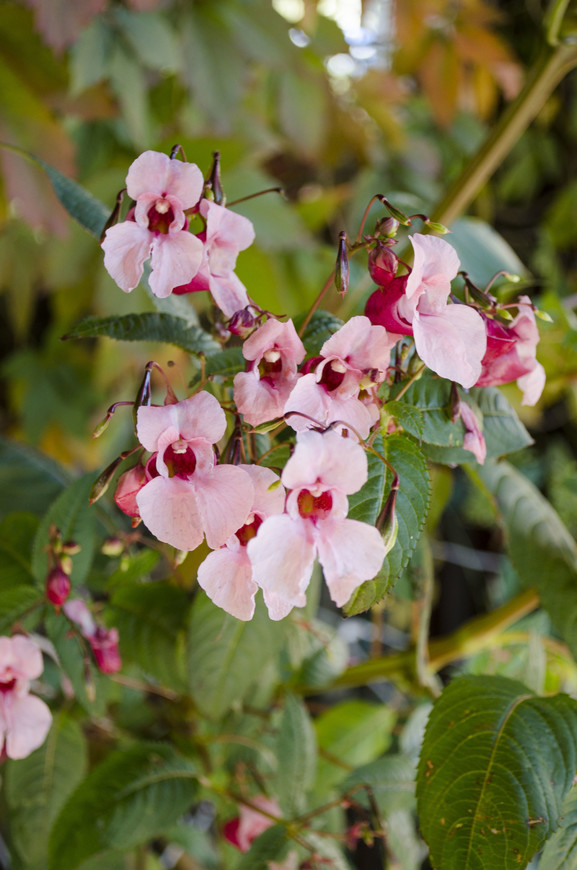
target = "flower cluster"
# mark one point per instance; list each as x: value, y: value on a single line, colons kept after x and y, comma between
x: 265, y: 529
x: 24, y: 719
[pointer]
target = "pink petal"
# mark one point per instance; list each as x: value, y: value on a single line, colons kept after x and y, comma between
x: 225, y: 230
x: 282, y: 557
x: 274, y: 334
x: 269, y: 493
x: 26, y: 657
x: 328, y: 458
x: 126, y: 246
x: 474, y: 439
x: 228, y: 292
x: 435, y: 265
x: 199, y: 416
x: 349, y: 552
x: 308, y: 404
x: 258, y: 401
x: 77, y: 611
x: 29, y: 721
x: 168, y: 508
x: 226, y: 577
x: 224, y: 496
x: 361, y: 344
x: 154, y: 172
x: 532, y: 384
x: 176, y: 258
x: 452, y: 343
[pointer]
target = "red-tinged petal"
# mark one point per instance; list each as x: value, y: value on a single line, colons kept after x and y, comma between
x: 28, y: 721
x: 282, y: 557
x: 175, y: 259
x: 452, y: 343
x: 229, y: 293
x: 328, y: 458
x: 126, y: 247
x: 199, y: 416
x: 129, y: 484
x: 226, y: 577
x: 225, y: 497
x: 350, y: 552
x: 168, y: 508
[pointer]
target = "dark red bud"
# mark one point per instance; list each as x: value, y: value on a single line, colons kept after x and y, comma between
x: 342, y: 269
x: 383, y: 265
x: 57, y: 586
x: 241, y: 323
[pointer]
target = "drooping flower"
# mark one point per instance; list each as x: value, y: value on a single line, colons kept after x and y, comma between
x: 191, y: 496
x: 274, y: 351
x: 322, y: 471
x: 157, y: 226
x: 474, y: 439
x: 227, y: 233
x: 24, y: 719
x: 511, y: 354
x: 450, y: 338
x: 226, y: 574
x: 352, y: 364
x: 250, y: 823
x: 103, y: 641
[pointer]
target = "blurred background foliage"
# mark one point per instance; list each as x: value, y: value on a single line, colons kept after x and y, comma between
x: 334, y: 100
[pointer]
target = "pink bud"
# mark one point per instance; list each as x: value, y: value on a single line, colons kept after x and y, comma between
x: 57, y: 586
x: 129, y: 485
x: 383, y: 265
x: 104, y: 644
x: 241, y: 323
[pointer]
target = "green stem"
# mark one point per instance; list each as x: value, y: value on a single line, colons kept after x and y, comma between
x: 551, y: 67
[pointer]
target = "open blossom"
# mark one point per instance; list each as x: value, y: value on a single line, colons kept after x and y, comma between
x: 342, y: 387
x: 322, y: 471
x: 226, y: 574
x: 250, y: 824
x: 191, y: 496
x: 157, y: 227
x: 449, y: 338
x: 511, y: 354
x: 24, y: 719
x: 274, y: 351
x: 103, y: 641
x: 227, y: 233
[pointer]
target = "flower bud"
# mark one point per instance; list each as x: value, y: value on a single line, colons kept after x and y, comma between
x: 112, y: 547
x: 241, y: 323
x: 71, y: 548
x: 387, y: 227
x: 342, y: 269
x: 383, y: 265
x: 66, y: 564
x: 57, y: 586
x: 104, y: 645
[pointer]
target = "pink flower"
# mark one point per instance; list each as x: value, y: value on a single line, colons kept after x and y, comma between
x: 191, y: 496
x: 449, y: 338
x: 474, y: 438
x: 511, y: 354
x: 250, y: 824
x: 227, y: 233
x: 129, y: 485
x: 163, y: 189
x: 322, y: 471
x: 274, y: 351
x: 103, y: 641
x: 353, y: 362
x: 24, y: 719
x: 226, y: 574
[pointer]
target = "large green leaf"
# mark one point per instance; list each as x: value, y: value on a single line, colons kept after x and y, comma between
x: 226, y: 655
x: 411, y: 509
x: 17, y: 533
x: 15, y: 604
x: 129, y: 799
x: 37, y: 787
x: 224, y: 364
x: 150, y: 618
x: 432, y: 396
x: 296, y: 751
x: 560, y: 852
x: 320, y: 328
x: 391, y: 780
x: 29, y: 481
x: 149, y: 326
x: 482, y: 250
x: 366, y: 504
x: 78, y: 202
x: 495, y: 765
x: 541, y: 549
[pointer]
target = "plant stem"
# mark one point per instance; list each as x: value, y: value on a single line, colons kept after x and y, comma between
x: 549, y: 69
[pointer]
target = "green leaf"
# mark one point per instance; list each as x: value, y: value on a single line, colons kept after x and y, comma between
x: 226, y: 655
x: 29, y: 481
x: 541, y: 549
x: 36, y: 788
x: 432, y: 396
x: 412, y: 508
x: 224, y: 364
x: 366, y: 504
x: 151, y: 618
x: 75, y: 660
x: 73, y: 517
x: 391, y: 780
x: 79, y: 203
x: 561, y: 849
x: 495, y: 766
x: 296, y: 751
x: 150, y: 326
x: 350, y: 733
x: 17, y: 532
x: 15, y: 603
x: 410, y: 418
x: 329, y: 851
x: 320, y: 328
x: 150, y: 37
x: 268, y: 847
x: 482, y: 251
x: 127, y: 800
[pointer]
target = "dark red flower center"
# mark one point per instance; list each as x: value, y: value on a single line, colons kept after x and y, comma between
x: 180, y: 460
x: 333, y: 375
x: 270, y: 365
x: 160, y: 216
x: 316, y: 507
x: 248, y: 531
x: 8, y: 686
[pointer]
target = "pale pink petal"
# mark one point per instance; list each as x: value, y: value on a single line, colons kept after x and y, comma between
x: 225, y: 230
x: 199, y: 416
x: 168, y: 508
x: 269, y: 493
x: 28, y: 720
x: 26, y: 657
x: 258, y: 401
x: 155, y: 173
x: 279, y: 606
x: 228, y: 292
x: 435, y: 265
x: 274, y: 334
x: 282, y: 557
x: 176, y: 258
x: 350, y: 552
x: 226, y: 577
x: 361, y: 344
x: 252, y: 823
x: 452, y: 343
x: 126, y: 246
x: 225, y: 496
x: 308, y: 404
x: 328, y: 458
x: 532, y: 384
x: 474, y: 439
x: 77, y: 611
x: 184, y: 182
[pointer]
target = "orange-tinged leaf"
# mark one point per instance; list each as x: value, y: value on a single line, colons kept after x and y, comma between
x: 440, y: 77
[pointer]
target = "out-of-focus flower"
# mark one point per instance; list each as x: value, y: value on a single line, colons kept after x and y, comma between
x: 24, y: 719
x: 157, y: 226
x: 57, y: 586
x: 474, y: 439
x: 103, y: 641
x: 249, y: 824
